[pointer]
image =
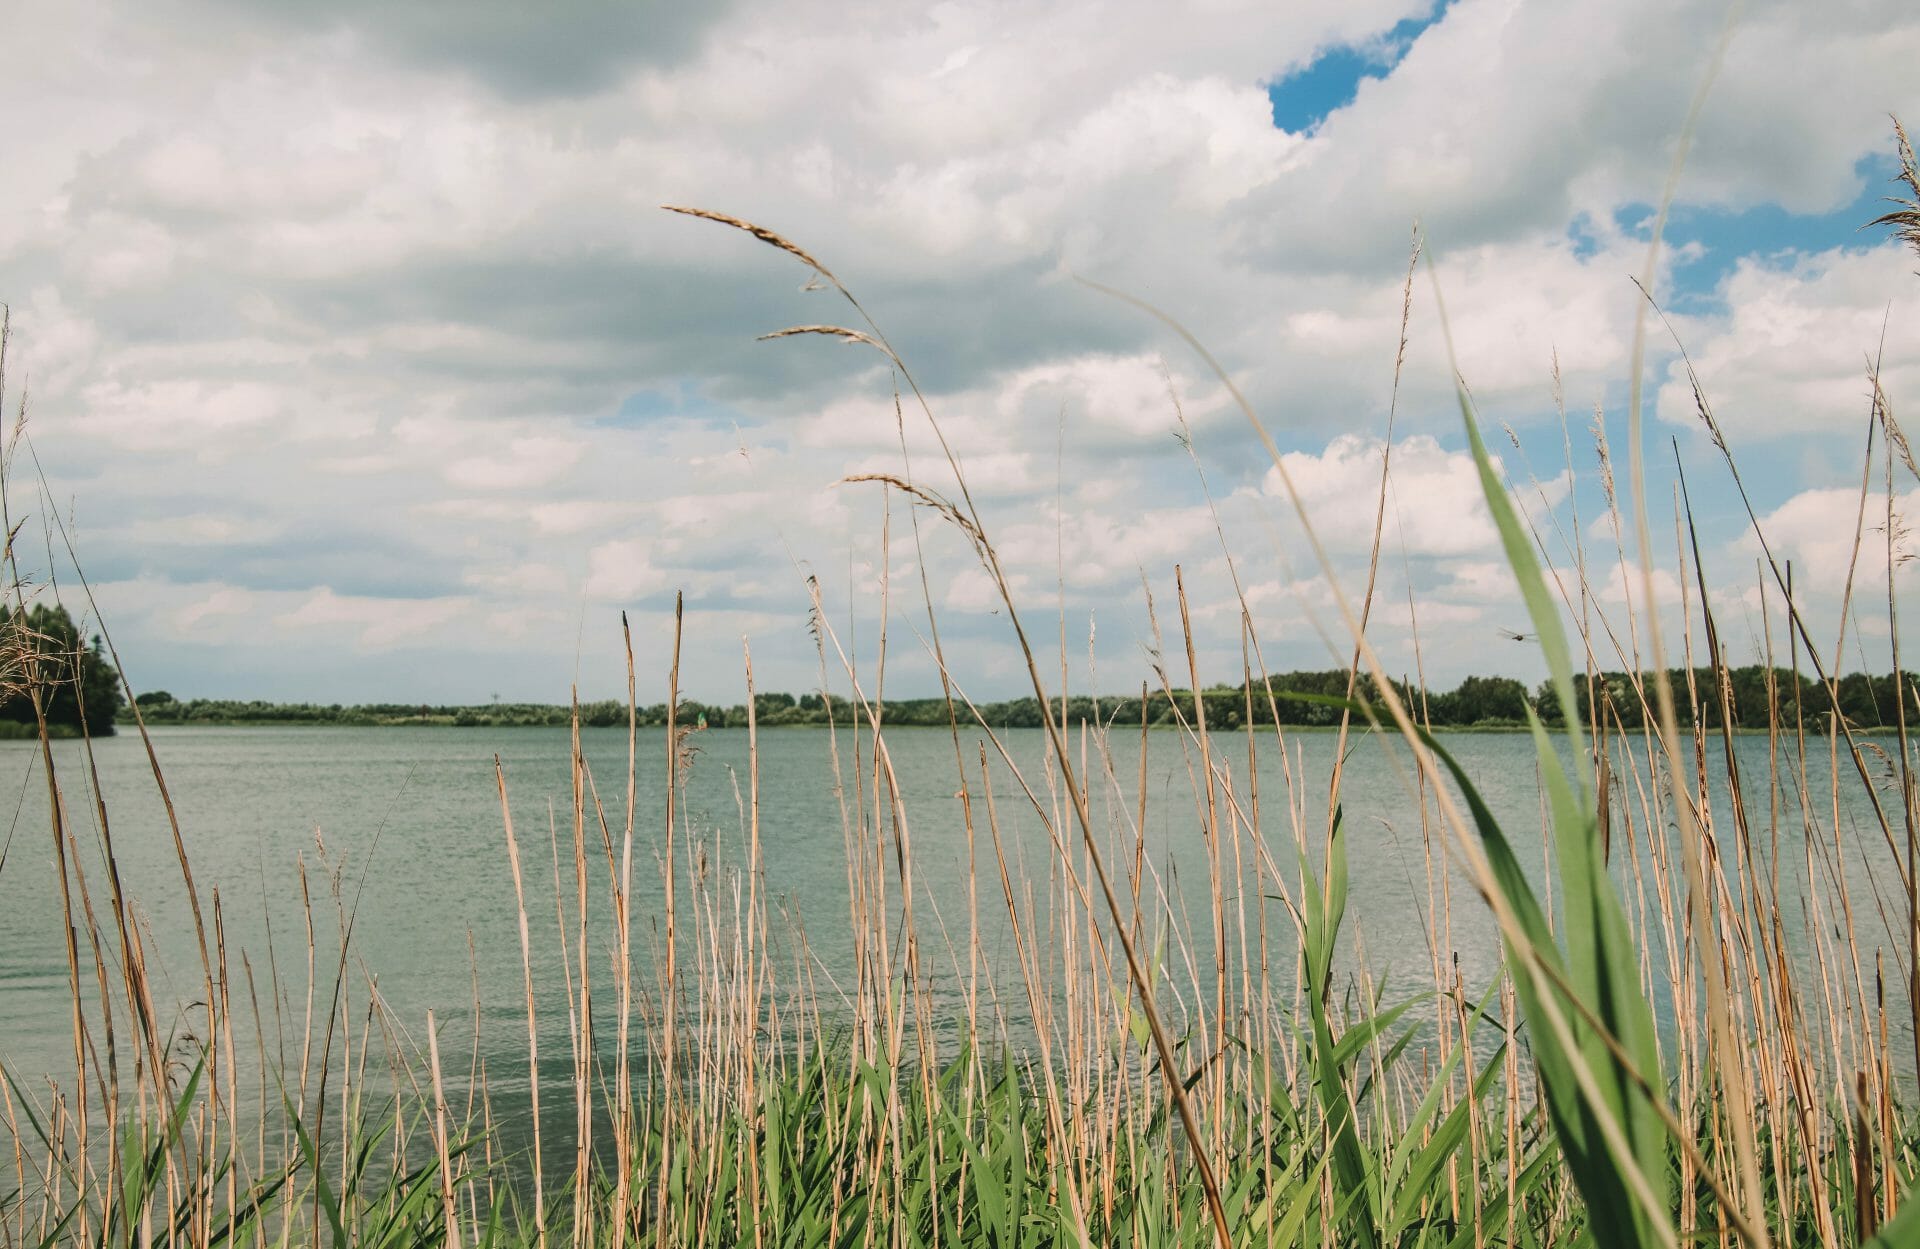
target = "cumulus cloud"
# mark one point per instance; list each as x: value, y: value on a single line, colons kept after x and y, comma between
x: 524, y: 462
x: 363, y: 324
x: 1838, y: 535
x: 1436, y: 502
x: 622, y: 570
x: 1574, y: 110
x: 374, y: 624
x: 1791, y: 353
x: 578, y: 46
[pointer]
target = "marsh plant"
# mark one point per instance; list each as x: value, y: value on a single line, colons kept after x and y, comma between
x: 1676, y: 1048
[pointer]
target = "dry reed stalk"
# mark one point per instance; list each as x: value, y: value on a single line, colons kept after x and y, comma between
x: 1883, y: 410
x: 583, y: 1013
x: 568, y: 978
x: 1379, y: 520
x: 893, y: 811
x: 1215, y: 886
x: 1034, y: 983
x: 622, y: 902
x: 1470, y: 853
x: 306, y: 1027
x: 1736, y: 929
x: 975, y: 1082
x: 1719, y: 1024
x: 166, y: 798
x: 670, y: 1001
x: 224, y: 1040
x: 1904, y: 219
x: 448, y: 1210
x: 81, y: 1096
x: 751, y: 1016
x: 970, y: 523
x: 8, y: 1093
x: 533, y: 1031
x: 471, y: 1112
x: 1798, y: 625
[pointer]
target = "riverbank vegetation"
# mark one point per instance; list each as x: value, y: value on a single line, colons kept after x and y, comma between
x: 1757, y: 698
x: 1702, y: 1028
x: 50, y: 675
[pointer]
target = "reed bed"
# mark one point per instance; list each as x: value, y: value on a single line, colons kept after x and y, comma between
x: 1703, y: 1029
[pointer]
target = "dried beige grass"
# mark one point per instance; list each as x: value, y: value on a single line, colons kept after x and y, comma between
x: 1905, y: 219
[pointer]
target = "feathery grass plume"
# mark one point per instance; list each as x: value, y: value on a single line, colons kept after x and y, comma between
x: 826, y: 331
x: 760, y: 232
x: 1136, y: 973
x: 1904, y: 219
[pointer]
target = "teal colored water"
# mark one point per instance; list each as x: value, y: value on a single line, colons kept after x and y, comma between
x: 401, y: 831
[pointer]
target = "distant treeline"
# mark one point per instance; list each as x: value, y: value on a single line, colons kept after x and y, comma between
x: 1477, y: 702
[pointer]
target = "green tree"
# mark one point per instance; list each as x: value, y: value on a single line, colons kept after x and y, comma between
x: 42, y: 654
x: 1478, y: 700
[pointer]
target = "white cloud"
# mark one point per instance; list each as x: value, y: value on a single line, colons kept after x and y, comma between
x: 185, y: 413
x: 518, y: 582
x: 1573, y: 109
x: 228, y: 601
x: 1623, y: 582
x: 371, y: 624
x: 972, y: 590
x: 207, y: 529
x: 568, y: 517
x: 1791, y: 354
x: 338, y: 325
x: 60, y: 343
x: 1482, y: 580
x: 1109, y: 548
x: 622, y: 571
x: 1436, y: 505
x: 530, y: 461
x: 1817, y: 530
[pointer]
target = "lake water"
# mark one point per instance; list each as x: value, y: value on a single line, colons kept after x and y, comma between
x: 409, y: 823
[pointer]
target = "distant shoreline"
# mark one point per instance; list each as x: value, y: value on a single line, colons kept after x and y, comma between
x: 1295, y: 699
x: 1813, y: 727
x: 1497, y: 730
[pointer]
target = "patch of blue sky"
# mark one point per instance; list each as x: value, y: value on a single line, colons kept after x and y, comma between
x: 1303, y: 99
x: 1585, y: 239
x: 645, y: 406
x: 682, y: 403
x: 1765, y: 232
x: 679, y: 400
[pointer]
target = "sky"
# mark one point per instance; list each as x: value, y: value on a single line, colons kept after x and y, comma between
x: 360, y: 362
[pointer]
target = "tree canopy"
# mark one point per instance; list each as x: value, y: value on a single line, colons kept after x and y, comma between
x: 1754, y: 697
x: 42, y: 653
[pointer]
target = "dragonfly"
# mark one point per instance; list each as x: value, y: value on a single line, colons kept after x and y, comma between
x: 1511, y: 636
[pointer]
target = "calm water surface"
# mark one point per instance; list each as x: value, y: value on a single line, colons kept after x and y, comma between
x: 408, y: 823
